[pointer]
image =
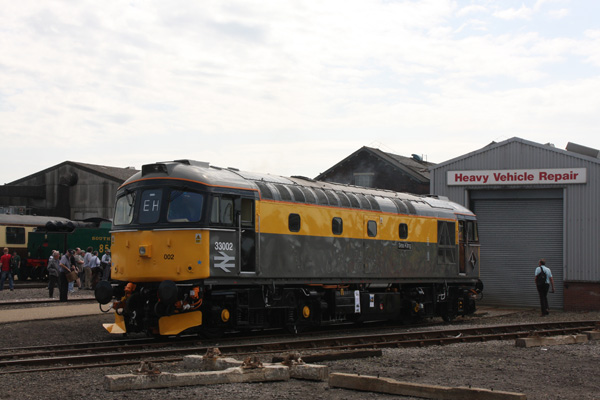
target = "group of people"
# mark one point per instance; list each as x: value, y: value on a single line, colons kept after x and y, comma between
x: 9, y: 265
x: 76, y: 266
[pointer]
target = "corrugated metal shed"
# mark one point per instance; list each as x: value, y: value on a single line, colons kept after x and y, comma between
x: 581, y: 201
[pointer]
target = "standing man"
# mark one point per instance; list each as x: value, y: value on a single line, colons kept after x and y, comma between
x: 543, y: 280
x: 15, y: 264
x: 65, y: 268
x: 5, y: 261
x: 87, y: 268
x: 79, y: 266
x: 106, y: 265
x: 53, y: 272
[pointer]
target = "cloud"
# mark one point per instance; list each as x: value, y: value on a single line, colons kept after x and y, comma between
x: 291, y: 87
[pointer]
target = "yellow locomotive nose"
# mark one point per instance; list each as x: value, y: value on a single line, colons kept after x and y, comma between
x: 158, y: 255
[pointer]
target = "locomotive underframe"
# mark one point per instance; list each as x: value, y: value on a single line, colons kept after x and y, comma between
x: 294, y: 306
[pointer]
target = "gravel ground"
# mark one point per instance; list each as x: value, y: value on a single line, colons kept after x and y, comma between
x: 554, y: 372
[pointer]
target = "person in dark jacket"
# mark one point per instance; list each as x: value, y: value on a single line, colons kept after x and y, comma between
x: 65, y: 268
x: 53, y: 272
x: 543, y: 285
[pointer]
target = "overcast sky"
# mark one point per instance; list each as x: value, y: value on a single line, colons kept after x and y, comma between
x: 290, y: 87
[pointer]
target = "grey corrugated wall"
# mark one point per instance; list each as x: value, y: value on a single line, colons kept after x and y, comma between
x: 581, y: 260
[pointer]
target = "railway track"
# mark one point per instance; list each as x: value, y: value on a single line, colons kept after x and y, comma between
x: 30, y: 285
x: 116, y: 353
x: 8, y: 303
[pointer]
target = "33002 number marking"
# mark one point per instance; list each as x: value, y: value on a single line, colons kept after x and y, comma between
x: 223, y: 246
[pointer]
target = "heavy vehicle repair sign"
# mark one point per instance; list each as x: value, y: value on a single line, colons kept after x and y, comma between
x: 547, y: 176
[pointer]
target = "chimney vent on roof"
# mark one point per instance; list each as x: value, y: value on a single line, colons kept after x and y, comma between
x: 583, y: 150
x: 417, y: 157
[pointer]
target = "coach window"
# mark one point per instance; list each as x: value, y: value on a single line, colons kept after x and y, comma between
x: 294, y: 223
x: 372, y: 229
x: 15, y: 235
x: 150, y: 206
x: 337, y: 226
x: 222, y: 211
x: 403, y: 231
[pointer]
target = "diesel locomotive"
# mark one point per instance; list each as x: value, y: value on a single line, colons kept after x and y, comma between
x: 198, y: 248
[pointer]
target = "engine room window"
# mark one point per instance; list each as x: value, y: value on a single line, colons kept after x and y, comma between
x: 150, y: 206
x: 294, y: 223
x: 337, y: 226
x: 185, y: 206
x: 372, y: 228
x: 124, y: 209
x: 222, y: 211
x: 15, y: 235
x: 446, y: 242
x: 403, y: 231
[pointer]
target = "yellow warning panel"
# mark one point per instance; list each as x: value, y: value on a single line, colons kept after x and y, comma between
x: 175, y: 324
x: 117, y: 327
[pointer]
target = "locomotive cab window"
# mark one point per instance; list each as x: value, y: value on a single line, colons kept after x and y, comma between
x: 403, y: 231
x: 294, y: 223
x: 337, y: 226
x: 185, y: 206
x: 150, y: 206
x: 247, y: 213
x: 446, y: 242
x: 124, y: 209
x: 472, y: 233
x: 222, y: 211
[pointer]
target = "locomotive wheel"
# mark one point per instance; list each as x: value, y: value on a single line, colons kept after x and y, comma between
x: 448, y: 316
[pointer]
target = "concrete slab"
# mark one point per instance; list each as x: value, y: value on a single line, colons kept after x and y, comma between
x: 550, y: 341
x: 592, y: 335
x: 202, y: 363
x: 309, y: 372
x: 297, y: 370
x: 391, y: 386
x: 268, y: 373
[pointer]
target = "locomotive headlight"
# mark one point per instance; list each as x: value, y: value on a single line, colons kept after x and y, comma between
x: 145, y: 250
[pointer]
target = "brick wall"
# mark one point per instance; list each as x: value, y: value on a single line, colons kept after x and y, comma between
x: 582, y: 296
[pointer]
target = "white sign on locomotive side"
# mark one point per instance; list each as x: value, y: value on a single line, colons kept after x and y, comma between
x: 553, y: 176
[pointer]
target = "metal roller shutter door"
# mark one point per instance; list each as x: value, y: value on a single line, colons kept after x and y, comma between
x: 514, y: 235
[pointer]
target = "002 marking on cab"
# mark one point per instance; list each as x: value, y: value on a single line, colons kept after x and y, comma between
x: 169, y: 256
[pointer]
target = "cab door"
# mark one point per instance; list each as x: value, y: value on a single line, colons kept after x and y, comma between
x: 468, y: 247
x: 247, y: 235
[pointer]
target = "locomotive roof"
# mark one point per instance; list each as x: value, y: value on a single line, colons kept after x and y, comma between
x: 300, y: 189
